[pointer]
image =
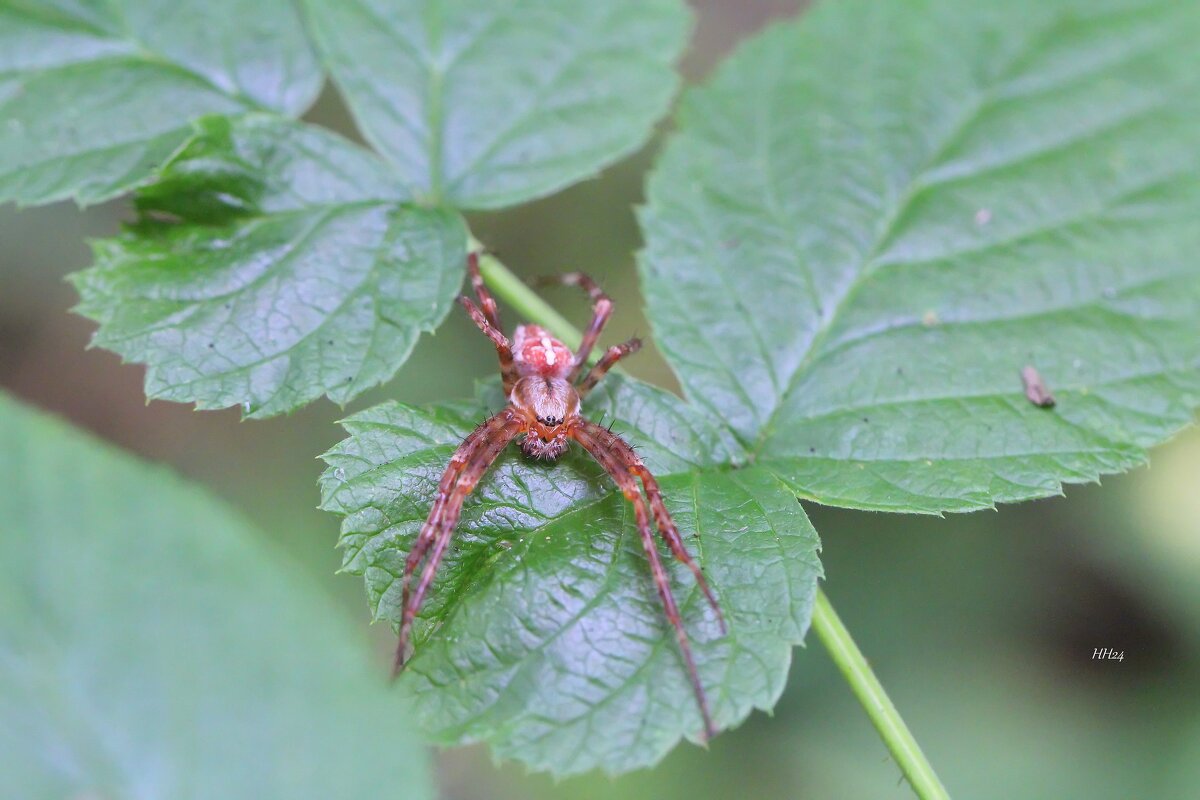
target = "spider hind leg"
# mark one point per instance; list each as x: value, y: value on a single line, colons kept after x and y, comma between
x: 486, y: 302
x: 602, y: 307
x: 508, y: 369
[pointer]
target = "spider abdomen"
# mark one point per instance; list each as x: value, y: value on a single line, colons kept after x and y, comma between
x: 536, y: 352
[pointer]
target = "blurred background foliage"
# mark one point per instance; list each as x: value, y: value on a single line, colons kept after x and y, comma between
x: 982, y: 626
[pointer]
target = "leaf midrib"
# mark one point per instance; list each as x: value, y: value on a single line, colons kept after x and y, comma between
x: 139, y: 53
x: 984, y: 98
x: 470, y: 577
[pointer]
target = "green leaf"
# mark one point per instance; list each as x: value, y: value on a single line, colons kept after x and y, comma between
x: 483, y: 104
x: 871, y: 220
x: 94, y: 96
x: 151, y: 645
x: 543, y: 634
x: 295, y: 270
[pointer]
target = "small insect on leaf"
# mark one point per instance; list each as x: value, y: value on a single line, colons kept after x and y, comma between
x: 1035, y: 389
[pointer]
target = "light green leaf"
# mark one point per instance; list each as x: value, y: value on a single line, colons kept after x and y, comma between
x: 94, y: 96
x: 483, y: 104
x: 295, y: 270
x: 152, y: 646
x: 870, y: 220
x: 543, y: 634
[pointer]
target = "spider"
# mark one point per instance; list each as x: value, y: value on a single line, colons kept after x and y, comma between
x: 541, y: 381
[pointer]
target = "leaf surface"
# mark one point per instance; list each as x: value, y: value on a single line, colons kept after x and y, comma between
x: 274, y: 263
x: 482, y: 104
x: 870, y: 220
x: 543, y: 634
x: 152, y: 646
x: 94, y: 96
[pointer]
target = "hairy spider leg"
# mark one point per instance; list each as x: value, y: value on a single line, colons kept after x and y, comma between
x: 458, y: 462
x: 588, y: 434
x: 468, y: 464
x: 611, y: 357
x: 602, y: 308
x: 666, y: 526
x: 508, y: 370
x: 486, y: 302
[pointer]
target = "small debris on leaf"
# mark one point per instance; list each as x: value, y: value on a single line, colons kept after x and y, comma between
x: 1035, y: 389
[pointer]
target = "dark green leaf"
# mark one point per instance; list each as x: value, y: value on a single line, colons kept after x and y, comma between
x: 295, y: 270
x: 871, y: 220
x: 544, y: 635
x: 94, y: 96
x: 152, y: 646
x: 483, y: 104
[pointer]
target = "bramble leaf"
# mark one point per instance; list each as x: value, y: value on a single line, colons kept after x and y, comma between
x: 543, y: 634
x: 274, y: 262
x: 871, y: 220
x: 484, y: 105
x: 94, y: 96
x: 152, y: 646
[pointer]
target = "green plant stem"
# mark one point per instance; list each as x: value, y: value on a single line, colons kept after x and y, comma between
x: 531, y: 307
x: 874, y: 699
x: 833, y: 634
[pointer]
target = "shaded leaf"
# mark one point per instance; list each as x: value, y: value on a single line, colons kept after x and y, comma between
x: 483, y: 105
x: 872, y: 219
x: 295, y: 270
x: 152, y: 646
x: 543, y: 634
x: 95, y: 96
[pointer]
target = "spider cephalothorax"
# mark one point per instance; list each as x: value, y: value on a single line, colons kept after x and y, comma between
x: 547, y: 404
x: 539, y: 373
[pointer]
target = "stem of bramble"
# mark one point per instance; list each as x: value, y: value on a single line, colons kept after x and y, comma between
x: 874, y: 699
x: 517, y: 294
x: 832, y: 633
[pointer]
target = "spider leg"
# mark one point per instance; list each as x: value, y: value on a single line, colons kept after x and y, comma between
x: 666, y: 527
x: 468, y: 464
x: 490, y: 312
x: 508, y: 370
x: 602, y: 307
x: 458, y: 462
x: 611, y: 357
x: 614, y: 463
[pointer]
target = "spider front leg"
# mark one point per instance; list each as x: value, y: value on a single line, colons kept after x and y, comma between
x: 666, y: 527
x: 468, y: 464
x: 602, y: 307
x: 458, y: 462
x: 616, y: 461
x: 611, y: 357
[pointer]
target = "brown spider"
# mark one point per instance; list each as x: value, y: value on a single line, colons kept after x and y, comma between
x: 539, y: 373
